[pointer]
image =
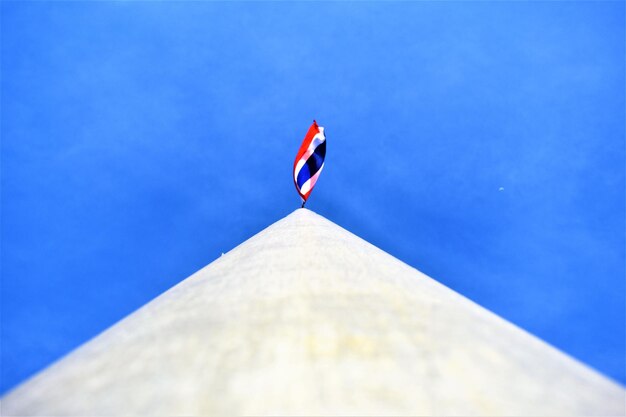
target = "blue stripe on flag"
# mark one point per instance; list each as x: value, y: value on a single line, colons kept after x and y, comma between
x: 312, y: 165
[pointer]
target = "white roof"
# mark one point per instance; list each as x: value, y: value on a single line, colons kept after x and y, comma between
x: 305, y: 318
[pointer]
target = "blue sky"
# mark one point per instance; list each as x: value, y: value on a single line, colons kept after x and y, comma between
x: 480, y: 142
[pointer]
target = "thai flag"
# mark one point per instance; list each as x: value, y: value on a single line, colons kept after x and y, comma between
x: 309, y: 161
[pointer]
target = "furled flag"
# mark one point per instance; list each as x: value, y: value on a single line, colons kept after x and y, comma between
x: 309, y: 161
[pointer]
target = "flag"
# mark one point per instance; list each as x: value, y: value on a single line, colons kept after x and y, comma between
x: 309, y: 161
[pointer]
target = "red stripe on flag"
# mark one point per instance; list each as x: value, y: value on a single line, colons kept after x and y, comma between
x: 308, y: 138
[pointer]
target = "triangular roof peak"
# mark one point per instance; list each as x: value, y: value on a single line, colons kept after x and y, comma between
x: 307, y: 318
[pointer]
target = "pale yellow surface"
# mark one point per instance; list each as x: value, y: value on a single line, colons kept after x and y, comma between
x: 307, y: 319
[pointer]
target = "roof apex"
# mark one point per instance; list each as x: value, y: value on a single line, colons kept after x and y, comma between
x: 307, y: 318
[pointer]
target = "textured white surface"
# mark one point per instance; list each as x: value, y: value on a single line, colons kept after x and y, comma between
x: 307, y: 319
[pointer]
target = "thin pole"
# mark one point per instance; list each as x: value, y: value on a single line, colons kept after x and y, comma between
x: 303, y: 202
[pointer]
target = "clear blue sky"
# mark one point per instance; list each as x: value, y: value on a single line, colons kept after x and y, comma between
x: 480, y: 142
